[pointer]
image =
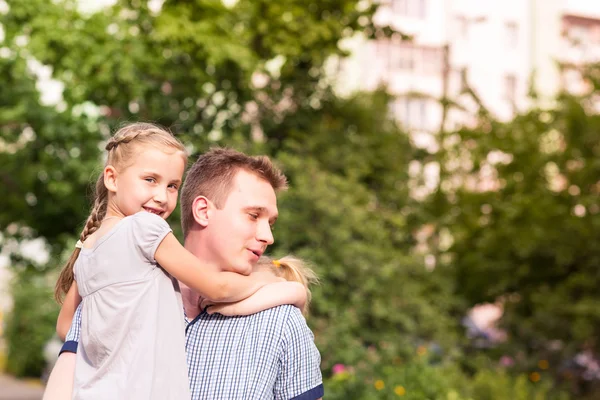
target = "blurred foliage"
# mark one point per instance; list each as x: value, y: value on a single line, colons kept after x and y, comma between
x: 512, y: 220
x: 418, y: 378
x: 31, y: 325
x: 520, y: 202
x: 353, y: 190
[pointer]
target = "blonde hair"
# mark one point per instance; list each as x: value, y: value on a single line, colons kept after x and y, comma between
x: 121, y: 154
x: 212, y: 176
x: 292, y: 269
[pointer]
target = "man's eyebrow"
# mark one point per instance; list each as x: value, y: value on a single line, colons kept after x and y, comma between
x: 256, y: 208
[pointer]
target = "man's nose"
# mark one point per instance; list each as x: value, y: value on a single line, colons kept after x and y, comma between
x: 265, y: 234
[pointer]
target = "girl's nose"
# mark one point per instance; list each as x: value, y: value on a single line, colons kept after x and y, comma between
x: 160, y: 196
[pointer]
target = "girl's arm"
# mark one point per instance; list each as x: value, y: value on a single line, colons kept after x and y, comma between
x: 269, y: 296
x: 60, y: 382
x: 65, y: 317
x: 215, y: 285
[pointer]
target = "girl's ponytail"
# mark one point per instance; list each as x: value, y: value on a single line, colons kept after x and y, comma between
x: 66, y: 277
x: 291, y: 268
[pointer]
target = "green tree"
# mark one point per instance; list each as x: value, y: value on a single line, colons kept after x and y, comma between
x: 252, y: 76
x: 349, y: 211
x: 519, y: 200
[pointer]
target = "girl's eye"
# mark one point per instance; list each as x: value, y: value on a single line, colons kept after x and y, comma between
x: 151, y: 180
x: 173, y: 186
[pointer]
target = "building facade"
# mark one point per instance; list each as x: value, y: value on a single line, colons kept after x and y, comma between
x: 499, y: 50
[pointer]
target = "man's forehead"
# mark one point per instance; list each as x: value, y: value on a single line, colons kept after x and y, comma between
x: 253, y: 191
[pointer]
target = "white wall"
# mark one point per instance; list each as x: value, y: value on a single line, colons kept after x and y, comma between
x: 497, y: 42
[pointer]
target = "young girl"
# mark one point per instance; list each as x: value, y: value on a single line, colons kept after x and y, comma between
x: 288, y: 268
x: 132, y: 329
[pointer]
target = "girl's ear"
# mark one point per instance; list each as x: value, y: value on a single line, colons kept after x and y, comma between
x: 110, y: 178
x: 202, y: 210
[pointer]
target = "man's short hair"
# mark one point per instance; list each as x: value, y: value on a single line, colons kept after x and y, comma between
x: 212, y: 176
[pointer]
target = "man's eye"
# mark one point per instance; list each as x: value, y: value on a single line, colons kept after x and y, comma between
x: 151, y: 180
x: 174, y: 186
x: 253, y: 216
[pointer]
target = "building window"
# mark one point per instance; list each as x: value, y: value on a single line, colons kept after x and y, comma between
x: 382, y: 48
x: 413, y: 112
x: 510, y: 82
x: 512, y: 34
x: 578, y: 34
x: 433, y: 59
x: 406, y: 57
x: 464, y: 23
x: 462, y: 26
x: 595, y: 34
x: 400, y: 6
x: 422, y: 59
x: 422, y: 11
x: 410, y: 8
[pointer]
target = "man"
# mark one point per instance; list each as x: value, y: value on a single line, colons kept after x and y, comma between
x: 229, y: 205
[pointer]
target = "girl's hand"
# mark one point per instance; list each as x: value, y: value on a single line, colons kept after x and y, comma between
x: 227, y: 309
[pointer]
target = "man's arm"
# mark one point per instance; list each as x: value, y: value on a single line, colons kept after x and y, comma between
x: 60, y: 382
x: 72, y: 339
x: 299, y: 376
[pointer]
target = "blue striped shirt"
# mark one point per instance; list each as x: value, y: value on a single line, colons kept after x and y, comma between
x: 267, y: 355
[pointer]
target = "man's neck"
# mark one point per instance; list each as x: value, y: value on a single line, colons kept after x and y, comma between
x: 191, y: 298
x: 191, y: 301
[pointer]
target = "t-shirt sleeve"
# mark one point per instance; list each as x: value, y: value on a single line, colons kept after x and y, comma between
x: 149, y: 230
x: 72, y: 338
x: 299, y: 376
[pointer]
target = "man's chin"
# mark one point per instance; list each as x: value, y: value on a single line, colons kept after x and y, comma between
x: 242, y: 269
x: 247, y: 271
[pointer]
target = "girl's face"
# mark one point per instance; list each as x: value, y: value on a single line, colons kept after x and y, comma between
x: 150, y: 184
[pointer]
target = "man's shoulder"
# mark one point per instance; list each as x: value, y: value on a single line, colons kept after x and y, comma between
x: 281, y: 313
x: 284, y: 310
x: 289, y: 318
x: 285, y: 314
x: 274, y: 326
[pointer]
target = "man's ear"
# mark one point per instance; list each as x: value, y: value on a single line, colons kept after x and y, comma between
x: 202, y: 210
x: 110, y: 178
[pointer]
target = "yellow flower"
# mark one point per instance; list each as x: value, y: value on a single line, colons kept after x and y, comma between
x: 421, y: 350
x: 399, y: 390
x: 534, y: 377
x: 543, y: 364
x: 379, y: 385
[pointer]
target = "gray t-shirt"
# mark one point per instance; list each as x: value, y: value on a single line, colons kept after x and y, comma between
x: 132, y: 332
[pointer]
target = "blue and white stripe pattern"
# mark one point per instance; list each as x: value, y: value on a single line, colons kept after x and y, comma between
x: 268, y: 355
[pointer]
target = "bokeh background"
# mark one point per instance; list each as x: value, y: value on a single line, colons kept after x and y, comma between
x: 443, y: 155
